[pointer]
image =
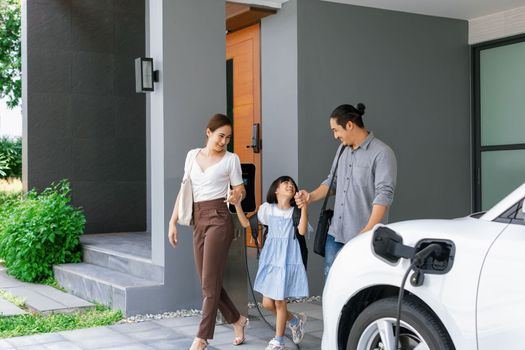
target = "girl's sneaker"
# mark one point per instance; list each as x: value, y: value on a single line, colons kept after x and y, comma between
x: 275, y: 345
x: 298, y: 328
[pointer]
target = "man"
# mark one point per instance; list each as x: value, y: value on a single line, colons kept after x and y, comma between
x: 364, y: 184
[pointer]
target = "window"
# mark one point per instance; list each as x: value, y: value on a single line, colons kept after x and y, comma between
x: 520, y: 216
x: 514, y: 215
x: 498, y: 110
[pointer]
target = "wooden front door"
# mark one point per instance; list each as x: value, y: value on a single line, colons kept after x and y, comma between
x: 243, y: 54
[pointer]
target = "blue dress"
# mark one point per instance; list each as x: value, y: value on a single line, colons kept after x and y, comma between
x: 281, y: 271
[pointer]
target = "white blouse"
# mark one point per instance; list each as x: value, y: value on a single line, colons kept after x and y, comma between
x: 267, y: 209
x: 214, y: 182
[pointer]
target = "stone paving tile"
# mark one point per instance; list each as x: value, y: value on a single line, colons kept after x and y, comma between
x: 313, y: 325
x: 134, y: 347
x: 179, y: 322
x: 303, y: 307
x: 154, y: 334
x: 171, y: 344
x: 66, y: 299
x: 62, y: 345
x: 186, y: 328
x: 4, y: 345
x: 169, y: 334
x: 317, y: 334
x: 47, y: 299
x: 33, y: 340
x: 35, y: 300
x: 9, y: 309
x: 125, y: 328
x: 7, y: 281
x: 99, y: 337
x: 39, y: 297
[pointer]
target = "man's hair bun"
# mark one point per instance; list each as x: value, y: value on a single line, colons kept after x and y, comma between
x: 361, y: 108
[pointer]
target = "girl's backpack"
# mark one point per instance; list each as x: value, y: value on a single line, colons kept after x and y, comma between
x: 296, y: 217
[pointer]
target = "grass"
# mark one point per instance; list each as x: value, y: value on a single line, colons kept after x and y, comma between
x: 52, y: 282
x: 20, y: 302
x: 15, y: 326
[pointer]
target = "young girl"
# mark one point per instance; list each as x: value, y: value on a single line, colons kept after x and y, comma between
x: 281, y: 272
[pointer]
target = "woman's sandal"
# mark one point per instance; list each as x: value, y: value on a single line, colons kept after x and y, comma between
x: 240, y: 340
x: 199, y: 341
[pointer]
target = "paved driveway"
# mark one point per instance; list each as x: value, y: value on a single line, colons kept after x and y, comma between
x: 173, y: 334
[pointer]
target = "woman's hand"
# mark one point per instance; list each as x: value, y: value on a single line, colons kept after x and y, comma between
x: 235, y: 195
x: 172, y: 234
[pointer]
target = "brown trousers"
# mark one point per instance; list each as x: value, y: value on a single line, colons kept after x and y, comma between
x: 212, y: 237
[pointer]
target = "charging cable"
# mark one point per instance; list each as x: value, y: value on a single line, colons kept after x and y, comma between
x: 417, y: 261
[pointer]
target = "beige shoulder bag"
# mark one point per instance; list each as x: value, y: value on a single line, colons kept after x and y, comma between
x: 186, y: 197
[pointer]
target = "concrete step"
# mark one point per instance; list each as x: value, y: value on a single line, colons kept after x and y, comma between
x: 122, y: 262
x: 100, y: 284
x: 38, y: 298
x: 9, y: 309
x: 44, y: 299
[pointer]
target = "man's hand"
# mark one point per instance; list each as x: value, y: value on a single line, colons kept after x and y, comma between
x: 302, y: 198
x: 172, y: 235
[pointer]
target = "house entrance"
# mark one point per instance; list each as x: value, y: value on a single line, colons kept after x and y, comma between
x: 244, y: 100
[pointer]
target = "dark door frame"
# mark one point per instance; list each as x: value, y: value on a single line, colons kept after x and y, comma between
x: 476, y: 116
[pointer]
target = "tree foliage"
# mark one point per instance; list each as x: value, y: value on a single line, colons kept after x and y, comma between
x: 10, y: 52
x: 10, y: 157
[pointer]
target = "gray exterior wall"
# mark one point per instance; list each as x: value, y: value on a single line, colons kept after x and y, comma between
x: 187, y: 42
x: 83, y: 120
x: 411, y: 71
x: 279, y: 92
x: 196, y: 39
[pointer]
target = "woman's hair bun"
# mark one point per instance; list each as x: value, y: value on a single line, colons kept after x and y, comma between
x: 361, y: 108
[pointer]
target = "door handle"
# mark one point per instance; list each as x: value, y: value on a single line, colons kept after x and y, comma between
x: 256, y: 140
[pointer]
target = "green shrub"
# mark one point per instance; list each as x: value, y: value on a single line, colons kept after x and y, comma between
x: 10, y: 157
x: 38, y: 231
x: 8, y: 201
x: 9, y: 197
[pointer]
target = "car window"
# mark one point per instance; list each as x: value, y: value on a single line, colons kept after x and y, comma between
x: 520, y: 216
x: 513, y: 215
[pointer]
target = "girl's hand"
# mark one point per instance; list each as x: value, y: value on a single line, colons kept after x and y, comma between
x: 172, y: 234
x: 302, y: 198
x: 234, y: 197
x: 240, y: 214
x: 303, y: 222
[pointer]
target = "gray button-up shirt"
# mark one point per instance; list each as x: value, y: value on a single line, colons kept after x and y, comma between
x: 365, y: 176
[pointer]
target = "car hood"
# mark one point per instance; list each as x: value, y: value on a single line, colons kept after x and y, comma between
x: 454, y: 229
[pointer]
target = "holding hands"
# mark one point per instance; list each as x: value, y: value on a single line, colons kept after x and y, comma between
x: 302, y: 198
x: 235, y: 196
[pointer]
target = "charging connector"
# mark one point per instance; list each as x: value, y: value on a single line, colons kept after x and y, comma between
x: 433, y: 256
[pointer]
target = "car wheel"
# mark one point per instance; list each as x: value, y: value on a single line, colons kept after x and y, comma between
x: 374, y: 328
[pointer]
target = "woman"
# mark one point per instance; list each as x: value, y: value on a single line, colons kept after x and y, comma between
x: 212, y: 170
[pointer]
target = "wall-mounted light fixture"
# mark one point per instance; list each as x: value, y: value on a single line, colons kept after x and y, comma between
x: 145, y: 76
